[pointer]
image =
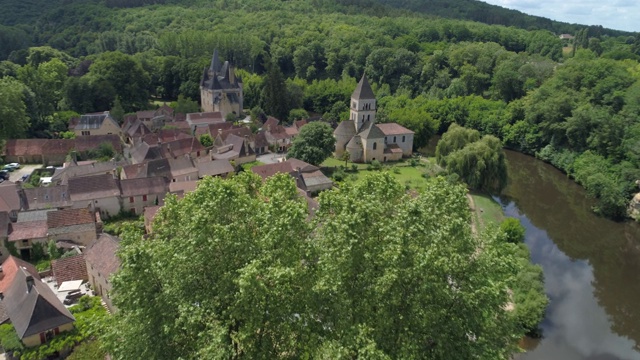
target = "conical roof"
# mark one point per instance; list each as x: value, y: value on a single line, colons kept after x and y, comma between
x: 363, y: 90
x: 215, y: 61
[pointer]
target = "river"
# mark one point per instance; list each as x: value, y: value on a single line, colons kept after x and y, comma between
x: 591, y: 266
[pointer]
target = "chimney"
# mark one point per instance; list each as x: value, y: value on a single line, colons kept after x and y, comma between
x: 232, y: 75
x: 30, y: 283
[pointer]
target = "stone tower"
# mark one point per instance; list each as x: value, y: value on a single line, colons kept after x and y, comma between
x: 363, y: 104
x: 220, y: 88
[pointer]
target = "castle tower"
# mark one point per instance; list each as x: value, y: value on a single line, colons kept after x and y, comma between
x: 220, y: 88
x: 363, y: 104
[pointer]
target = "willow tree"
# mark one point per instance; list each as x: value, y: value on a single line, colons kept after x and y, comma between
x: 238, y: 270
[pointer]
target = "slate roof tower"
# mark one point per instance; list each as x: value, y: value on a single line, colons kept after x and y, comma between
x: 220, y: 88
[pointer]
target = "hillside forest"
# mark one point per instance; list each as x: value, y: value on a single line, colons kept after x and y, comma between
x: 573, y: 103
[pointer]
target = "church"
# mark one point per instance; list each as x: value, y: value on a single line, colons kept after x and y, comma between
x: 365, y: 140
x: 220, y: 88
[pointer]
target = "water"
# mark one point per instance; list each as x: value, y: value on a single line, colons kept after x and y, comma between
x: 591, y: 266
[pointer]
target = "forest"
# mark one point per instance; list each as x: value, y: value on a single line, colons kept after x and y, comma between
x: 572, y: 103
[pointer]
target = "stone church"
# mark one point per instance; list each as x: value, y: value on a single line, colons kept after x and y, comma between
x: 220, y: 88
x: 363, y: 138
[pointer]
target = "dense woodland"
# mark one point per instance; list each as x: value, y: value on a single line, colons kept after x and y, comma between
x: 574, y: 104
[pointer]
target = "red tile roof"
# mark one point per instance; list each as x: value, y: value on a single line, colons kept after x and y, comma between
x: 28, y: 230
x: 69, y: 268
x: 69, y: 217
x: 9, y: 269
x: 393, y: 129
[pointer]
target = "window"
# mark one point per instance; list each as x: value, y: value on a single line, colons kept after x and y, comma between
x: 144, y: 197
x: 375, y: 146
x: 368, y: 117
x: 402, y: 138
x: 25, y: 242
x: 133, y: 211
x: 86, y: 133
x: 353, y: 105
x: 130, y: 199
x: 394, y: 139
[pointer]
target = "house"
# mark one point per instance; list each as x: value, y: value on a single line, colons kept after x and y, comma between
x: 102, y: 262
x: 25, y: 234
x: 139, y: 193
x: 79, y: 169
x: 134, y: 131
x: 220, y: 89
x: 10, y: 200
x: 155, y: 119
x: 9, y: 269
x: 179, y: 148
x: 159, y: 167
x: 365, y: 140
x: 182, y: 169
x: 97, y: 124
x: 204, y: 119
x: 180, y: 189
x: 77, y: 225
x: 261, y: 145
x: 235, y: 148
x: 214, y: 168
x: 84, y: 144
x: 48, y: 197
x: 308, y: 178
x: 276, y: 134
x: 143, y: 152
x: 35, y: 311
x: 69, y: 269
x: 96, y: 192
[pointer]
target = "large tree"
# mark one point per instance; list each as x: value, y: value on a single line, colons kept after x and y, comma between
x: 275, y: 97
x: 314, y: 143
x: 14, y: 121
x: 236, y: 270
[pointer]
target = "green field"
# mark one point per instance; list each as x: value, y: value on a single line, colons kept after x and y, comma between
x: 488, y: 211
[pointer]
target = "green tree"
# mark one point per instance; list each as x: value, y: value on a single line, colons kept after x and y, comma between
x: 127, y: 77
x: 416, y: 284
x: 185, y: 105
x: 274, y: 94
x: 117, y: 111
x: 314, y: 143
x: 513, y: 230
x: 206, y: 140
x: 13, y: 112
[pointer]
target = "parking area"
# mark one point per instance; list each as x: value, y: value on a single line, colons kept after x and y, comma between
x: 270, y: 158
x: 24, y: 169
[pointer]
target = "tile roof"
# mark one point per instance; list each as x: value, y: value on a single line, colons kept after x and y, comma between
x: 181, y: 147
x: 300, y: 123
x: 144, y: 186
x: 260, y: 139
x: 181, y: 166
x: 240, y: 145
x: 10, y: 267
x: 214, y: 168
x: 182, y: 187
x: 94, y: 121
x: 28, y: 230
x: 393, y: 129
x: 92, y: 142
x: 4, y: 224
x: 93, y: 187
x: 33, y: 309
x: 93, y: 168
x: 215, y: 129
x: 69, y: 268
x: 69, y: 217
x: 24, y: 147
x: 101, y: 254
x: 46, y: 197
x: 270, y: 123
x: 204, y: 118
x: 363, y: 90
x: 241, y: 131
x: 291, y: 131
x: 10, y: 197
x: 167, y: 135
x: 393, y: 148
x: 370, y: 131
x: 143, y: 151
x: 34, y: 215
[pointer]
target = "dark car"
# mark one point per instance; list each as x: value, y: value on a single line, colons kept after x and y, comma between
x: 4, y: 174
x: 72, y: 297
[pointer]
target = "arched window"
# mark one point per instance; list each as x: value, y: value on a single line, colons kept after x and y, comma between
x: 375, y: 145
x: 402, y: 138
x: 368, y: 117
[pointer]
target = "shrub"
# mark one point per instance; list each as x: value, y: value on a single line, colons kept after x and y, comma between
x: 513, y: 230
x: 354, y: 167
x: 375, y: 165
x: 9, y: 338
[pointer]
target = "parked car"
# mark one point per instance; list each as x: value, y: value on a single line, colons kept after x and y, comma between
x: 15, y: 165
x: 24, y: 177
x: 72, y: 297
x: 4, y: 174
x: 8, y: 167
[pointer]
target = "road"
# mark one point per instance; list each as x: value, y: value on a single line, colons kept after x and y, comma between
x: 24, y: 169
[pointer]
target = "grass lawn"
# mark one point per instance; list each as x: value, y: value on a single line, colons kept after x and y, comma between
x: 488, y: 211
x: 249, y: 165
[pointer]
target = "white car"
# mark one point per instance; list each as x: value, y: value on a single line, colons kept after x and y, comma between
x: 14, y: 165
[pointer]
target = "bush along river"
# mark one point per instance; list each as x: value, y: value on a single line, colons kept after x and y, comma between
x: 591, y: 266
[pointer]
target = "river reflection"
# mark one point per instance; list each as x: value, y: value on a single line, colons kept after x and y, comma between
x: 591, y: 266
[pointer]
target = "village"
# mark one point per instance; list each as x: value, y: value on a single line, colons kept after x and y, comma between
x: 56, y: 200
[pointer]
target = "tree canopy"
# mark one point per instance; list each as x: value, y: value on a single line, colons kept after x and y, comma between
x: 314, y: 143
x: 236, y: 270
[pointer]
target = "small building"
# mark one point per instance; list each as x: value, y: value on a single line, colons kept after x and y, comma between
x: 102, y: 262
x: 77, y: 225
x: 234, y: 148
x: 97, y: 124
x: 215, y: 168
x: 308, y: 177
x: 204, y: 119
x: 49, y: 197
x: 35, y: 311
x: 182, y: 169
x: 10, y: 199
x: 25, y: 234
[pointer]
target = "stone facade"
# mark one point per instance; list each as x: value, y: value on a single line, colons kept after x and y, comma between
x: 36, y: 339
x: 220, y: 89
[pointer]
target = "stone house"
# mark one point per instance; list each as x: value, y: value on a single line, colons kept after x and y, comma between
x: 77, y: 225
x: 10, y: 200
x: 34, y: 310
x: 186, y: 146
x: 159, y: 167
x: 363, y: 138
x: 25, y: 234
x: 38, y: 151
x: 139, y: 193
x: 308, y: 178
x: 102, y: 262
x: 47, y: 197
x: 220, y: 89
x: 234, y: 148
x: 97, y: 124
x: 97, y: 192
x: 204, y: 119
x: 182, y: 169
x: 214, y: 168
